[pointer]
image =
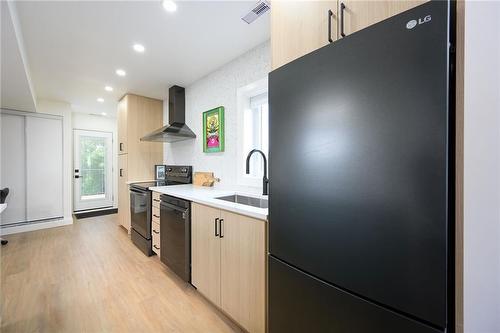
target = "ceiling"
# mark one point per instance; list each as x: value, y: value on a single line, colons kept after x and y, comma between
x: 16, y: 90
x: 74, y: 48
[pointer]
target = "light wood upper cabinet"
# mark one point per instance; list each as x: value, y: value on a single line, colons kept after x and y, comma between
x: 205, y: 252
x: 300, y: 27
x: 123, y: 195
x: 122, y: 126
x: 144, y: 115
x: 228, y: 263
x: 243, y: 270
x: 361, y: 14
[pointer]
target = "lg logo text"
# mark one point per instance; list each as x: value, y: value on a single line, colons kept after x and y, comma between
x: 413, y: 23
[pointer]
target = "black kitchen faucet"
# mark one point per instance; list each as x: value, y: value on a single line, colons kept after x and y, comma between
x: 265, y: 181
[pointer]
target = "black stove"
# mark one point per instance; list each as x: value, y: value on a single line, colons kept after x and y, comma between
x: 140, y: 203
x: 174, y: 175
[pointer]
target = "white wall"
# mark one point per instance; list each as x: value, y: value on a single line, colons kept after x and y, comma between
x: 482, y: 167
x: 218, y: 89
x: 17, y: 89
x: 104, y: 124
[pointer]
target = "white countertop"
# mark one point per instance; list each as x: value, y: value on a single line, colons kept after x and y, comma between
x: 206, y: 195
x: 2, y: 207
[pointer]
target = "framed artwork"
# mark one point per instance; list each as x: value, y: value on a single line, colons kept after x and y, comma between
x: 213, y: 130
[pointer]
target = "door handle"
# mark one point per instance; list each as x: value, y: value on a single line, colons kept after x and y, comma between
x: 76, y: 176
x: 342, y: 8
x: 216, y: 222
x: 330, y: 14
x: 221, y: 222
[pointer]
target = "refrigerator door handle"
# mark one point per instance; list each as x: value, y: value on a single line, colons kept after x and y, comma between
x: 330, y: 14
x: 342, y: 8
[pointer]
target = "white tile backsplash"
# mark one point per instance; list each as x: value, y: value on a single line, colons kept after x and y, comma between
x: 218, y: 89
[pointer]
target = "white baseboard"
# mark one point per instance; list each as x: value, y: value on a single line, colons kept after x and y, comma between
x: 35, y: 226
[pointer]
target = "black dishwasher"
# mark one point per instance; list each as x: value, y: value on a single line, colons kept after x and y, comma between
x: 175, y: 236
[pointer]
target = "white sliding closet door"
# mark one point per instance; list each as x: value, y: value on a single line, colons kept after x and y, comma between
x: 13, y: 167
x: 44, y: 171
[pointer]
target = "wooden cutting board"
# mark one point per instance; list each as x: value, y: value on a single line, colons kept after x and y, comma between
x: 204, y: 179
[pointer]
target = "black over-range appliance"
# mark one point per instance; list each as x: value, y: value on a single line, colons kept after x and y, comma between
x: 362, y: 239
x: 175, y: 236
x: 176, y: 130
x: 140, y: 204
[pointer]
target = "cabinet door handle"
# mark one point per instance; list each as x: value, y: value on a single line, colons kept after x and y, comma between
x: 121, y: 172
x: 121, y: 146
x: 221, y: 228
x: 216, y: 226
x: 156, y: 216
x: 342, y: 8
x: 156, y: 247
x: 330, y: 14
x: 156, y: 232
x: 156, y: 200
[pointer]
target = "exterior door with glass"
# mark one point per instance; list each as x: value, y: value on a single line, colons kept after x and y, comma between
x: 93, y: 167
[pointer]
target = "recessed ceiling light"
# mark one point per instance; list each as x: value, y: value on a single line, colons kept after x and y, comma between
x: 169, y: 5
x: 100, y: 100
x: 139, y: 48
x: 103, y: 113
x: 121, y: 72
x: 108, y: 88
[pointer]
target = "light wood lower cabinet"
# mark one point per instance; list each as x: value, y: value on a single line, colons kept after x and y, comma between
x: 229, y: 263
x: 156, y: 200
x: 123, y: 193
x: 243, y: 270
x: 205, y: 252
x: 155, y: 233
x: 155, y: 222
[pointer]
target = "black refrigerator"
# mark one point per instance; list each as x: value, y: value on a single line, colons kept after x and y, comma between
x: 361, y: 181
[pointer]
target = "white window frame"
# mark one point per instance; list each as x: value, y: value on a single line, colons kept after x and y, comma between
x: 243, y: 96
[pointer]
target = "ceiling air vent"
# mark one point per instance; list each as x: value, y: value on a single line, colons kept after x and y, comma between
x: 259, y: 9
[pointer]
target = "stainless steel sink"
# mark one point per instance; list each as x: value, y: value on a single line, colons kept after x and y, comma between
x: 244, y: 200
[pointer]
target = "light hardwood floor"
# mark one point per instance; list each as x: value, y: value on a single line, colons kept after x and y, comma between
x: 89, y: 277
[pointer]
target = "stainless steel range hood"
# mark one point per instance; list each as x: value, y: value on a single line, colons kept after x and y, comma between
x: 176, y: 130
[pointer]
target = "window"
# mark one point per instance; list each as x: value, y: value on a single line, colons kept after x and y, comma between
x: 253, y: 117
